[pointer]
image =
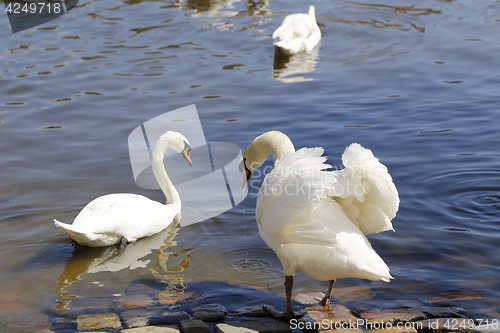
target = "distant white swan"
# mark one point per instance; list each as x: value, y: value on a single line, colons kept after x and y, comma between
x: 297, y: 33
x: 316, y: 220
x: 124, y: 217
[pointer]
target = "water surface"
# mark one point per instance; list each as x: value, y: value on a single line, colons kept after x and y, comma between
x: 416, y: 82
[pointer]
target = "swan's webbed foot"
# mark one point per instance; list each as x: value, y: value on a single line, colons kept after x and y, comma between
x: 287, y: 314
x: 324, y: 301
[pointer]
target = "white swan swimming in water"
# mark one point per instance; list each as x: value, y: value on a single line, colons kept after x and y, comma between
x: 124, y: 217
x: 297, y: 33
x: 316, y: 220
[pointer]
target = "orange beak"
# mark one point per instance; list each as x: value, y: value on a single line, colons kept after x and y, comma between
x: 187, y: 156
x: 246, y: 177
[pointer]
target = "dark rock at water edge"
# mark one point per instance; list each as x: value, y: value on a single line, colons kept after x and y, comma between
x: 253, y: 326
x: 194, y: 326
x: 168, y: 318
x: 210, y: 313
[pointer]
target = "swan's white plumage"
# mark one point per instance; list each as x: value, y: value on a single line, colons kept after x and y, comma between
x: 366, y: 191
x: 297, y: 33
x: 316, y: 220
x: 107, y: 219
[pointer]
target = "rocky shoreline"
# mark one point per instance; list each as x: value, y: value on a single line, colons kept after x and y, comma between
x: 142, y: 308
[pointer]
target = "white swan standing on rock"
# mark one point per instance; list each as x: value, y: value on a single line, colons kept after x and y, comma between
x: 316, y: 220
x: 297, y: 33
x: 124, y: 217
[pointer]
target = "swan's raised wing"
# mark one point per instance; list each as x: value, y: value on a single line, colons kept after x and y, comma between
x: 293, y: 187
x: 365, y: 190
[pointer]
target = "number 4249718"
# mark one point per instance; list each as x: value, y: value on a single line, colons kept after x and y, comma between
x: 457, y: 323
x: 33, y: 7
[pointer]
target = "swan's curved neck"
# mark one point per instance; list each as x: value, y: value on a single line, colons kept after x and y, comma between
x: 171, y: 194
x: 272, y: 143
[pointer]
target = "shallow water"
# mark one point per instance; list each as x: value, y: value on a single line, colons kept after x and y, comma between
x: 418, y: 83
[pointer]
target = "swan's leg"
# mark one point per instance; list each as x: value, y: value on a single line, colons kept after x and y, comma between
x: 326, y: 299
x: 289, y: 313
x: 123, y: 243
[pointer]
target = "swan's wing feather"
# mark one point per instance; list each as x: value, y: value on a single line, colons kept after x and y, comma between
x: 295, y: 26
x: 128, y: 215
x: 366, y: 191
x: 296, y: 182
x: 84, y: 237
x: 283, y: 27
x: 363, y: 191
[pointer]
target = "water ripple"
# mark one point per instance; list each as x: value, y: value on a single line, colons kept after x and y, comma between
x: 470, y: 194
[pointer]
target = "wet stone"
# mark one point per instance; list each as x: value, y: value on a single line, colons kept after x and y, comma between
x: 168, y: 318
x: 307, y: 324
x: 13, y: 302
x: 95, y: 322
x: 326, y: 324
x: 257, y: 311
x: 392, y: 316
x: 29, y: 322
x: 80, y: 305
x: 134, y: 302
x: 441, y: 312
x: 151, y: 329
x: 136, y: 321
x: 225, y: 328
x: 458, y: 296
x: 309, y: 297
x: 172, y: 299
x: 253, y: 326
x: 352, y: 294
x: 194, y: 326
x: 344, y: 330
x: 440, y: 325
x: 210, y: 313
x: 332, y: 316
x: 314, y: 296
x: 404, y: 329
x: 136, y: 318
x: 369, y: 305
x: 141, y: 289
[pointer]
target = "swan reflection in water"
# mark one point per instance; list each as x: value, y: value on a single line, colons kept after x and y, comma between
x: 287, y: 68
x: 113, y: 259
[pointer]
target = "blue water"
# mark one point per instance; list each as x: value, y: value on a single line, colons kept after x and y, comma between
x: 416, y: 82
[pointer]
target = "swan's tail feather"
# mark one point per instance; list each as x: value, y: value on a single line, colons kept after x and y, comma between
x: 366, y: 190
x: 83, y: 237
x: 377, y: 269
x: 290, y: 46
x: 387, y: 279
